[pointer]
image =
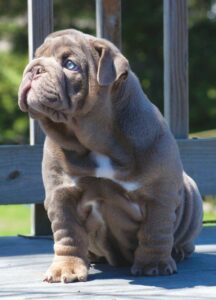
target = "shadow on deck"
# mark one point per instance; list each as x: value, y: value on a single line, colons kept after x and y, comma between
x: 23, y: 262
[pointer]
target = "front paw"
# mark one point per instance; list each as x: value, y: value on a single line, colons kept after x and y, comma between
x: 161, y: 267
x: 67, y: 269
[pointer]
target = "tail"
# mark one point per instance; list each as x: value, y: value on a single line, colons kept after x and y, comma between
x: 189, y: 220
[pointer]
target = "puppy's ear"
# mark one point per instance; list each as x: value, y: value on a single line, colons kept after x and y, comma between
x: 43, y: 49
x: 113, y: 66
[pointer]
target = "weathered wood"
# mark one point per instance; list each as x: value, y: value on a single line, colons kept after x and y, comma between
x: 108, y: 20
x: 23, y: 263
x: 199, y: 159
x: 176, y: 66
x: 20, y: 172
x: 40, y: 24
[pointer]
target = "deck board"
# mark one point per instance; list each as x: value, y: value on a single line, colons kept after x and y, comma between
x: 23, y: 262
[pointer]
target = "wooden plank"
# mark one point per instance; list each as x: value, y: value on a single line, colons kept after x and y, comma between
x: 40, y: 24
x: 199, y: 160
x: 20, y: 170
x: 20, y: 174
x: 108, y: 20
x: 23, y: 263
x: 176, y: 66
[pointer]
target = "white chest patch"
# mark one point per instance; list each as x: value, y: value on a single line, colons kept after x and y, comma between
x: 129, y: 186
x: 104, y: 166
x: 105, y: 170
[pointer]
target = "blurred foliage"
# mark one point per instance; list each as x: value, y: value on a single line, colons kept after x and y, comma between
x: 13, y: 123
x: 142, y: 31
x: 202, y: 75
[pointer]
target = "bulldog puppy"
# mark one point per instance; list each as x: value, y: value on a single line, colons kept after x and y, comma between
x: 114, y: 182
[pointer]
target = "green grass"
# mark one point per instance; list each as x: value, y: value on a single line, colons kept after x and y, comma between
x: 209, y: 216
x: 15, y: 219
x: 204, y: 134
x: 210, y: 209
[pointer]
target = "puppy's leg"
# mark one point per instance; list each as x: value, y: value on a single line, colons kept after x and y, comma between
x: 92, y: 210
x: 155, y: 240
x: 70, y: 262
x: 189, y: 220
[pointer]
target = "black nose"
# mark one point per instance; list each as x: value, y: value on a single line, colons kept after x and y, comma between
x: 37, y: 71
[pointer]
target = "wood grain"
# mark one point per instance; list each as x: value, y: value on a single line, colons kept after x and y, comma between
x: 108, y: 20
x: 176, y: 66
x: 199, y: 160
x: 20, y: 172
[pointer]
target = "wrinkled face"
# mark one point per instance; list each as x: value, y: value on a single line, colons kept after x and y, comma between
x: 68, y: 74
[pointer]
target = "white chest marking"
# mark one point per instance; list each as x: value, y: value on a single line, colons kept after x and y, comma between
x: 129, y: 186
x: 104, y: 166
x: 104, y: 169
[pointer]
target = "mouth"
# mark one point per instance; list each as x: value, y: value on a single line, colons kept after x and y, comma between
x: 26, y: 87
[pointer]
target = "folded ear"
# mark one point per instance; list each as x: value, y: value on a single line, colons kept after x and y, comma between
x: 112, y: 66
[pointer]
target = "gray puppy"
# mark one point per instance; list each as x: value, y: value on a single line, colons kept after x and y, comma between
x: 115, y: 186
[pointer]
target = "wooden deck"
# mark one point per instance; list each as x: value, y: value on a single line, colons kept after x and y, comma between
x: 23, y: 262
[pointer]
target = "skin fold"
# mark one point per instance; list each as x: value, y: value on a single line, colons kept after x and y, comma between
x: 114, y: 182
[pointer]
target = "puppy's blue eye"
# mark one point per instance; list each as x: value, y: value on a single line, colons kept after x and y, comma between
x: 70, y: 65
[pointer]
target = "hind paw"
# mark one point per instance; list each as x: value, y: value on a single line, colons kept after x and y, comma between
x: 163, y: 267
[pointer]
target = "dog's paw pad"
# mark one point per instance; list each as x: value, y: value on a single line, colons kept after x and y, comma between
x: 67, y: 271
x: 48, y: 278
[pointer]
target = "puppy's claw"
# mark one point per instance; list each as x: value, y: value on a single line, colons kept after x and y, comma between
x: 48, y: 278
x: 82, y: 278
x: 68, y: 278
x: 167, y: 267
x: 147, y: 271
x: 152, y: 272
x: 64, y: 279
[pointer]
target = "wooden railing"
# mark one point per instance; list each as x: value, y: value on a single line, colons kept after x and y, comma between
x: 20, y: 166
